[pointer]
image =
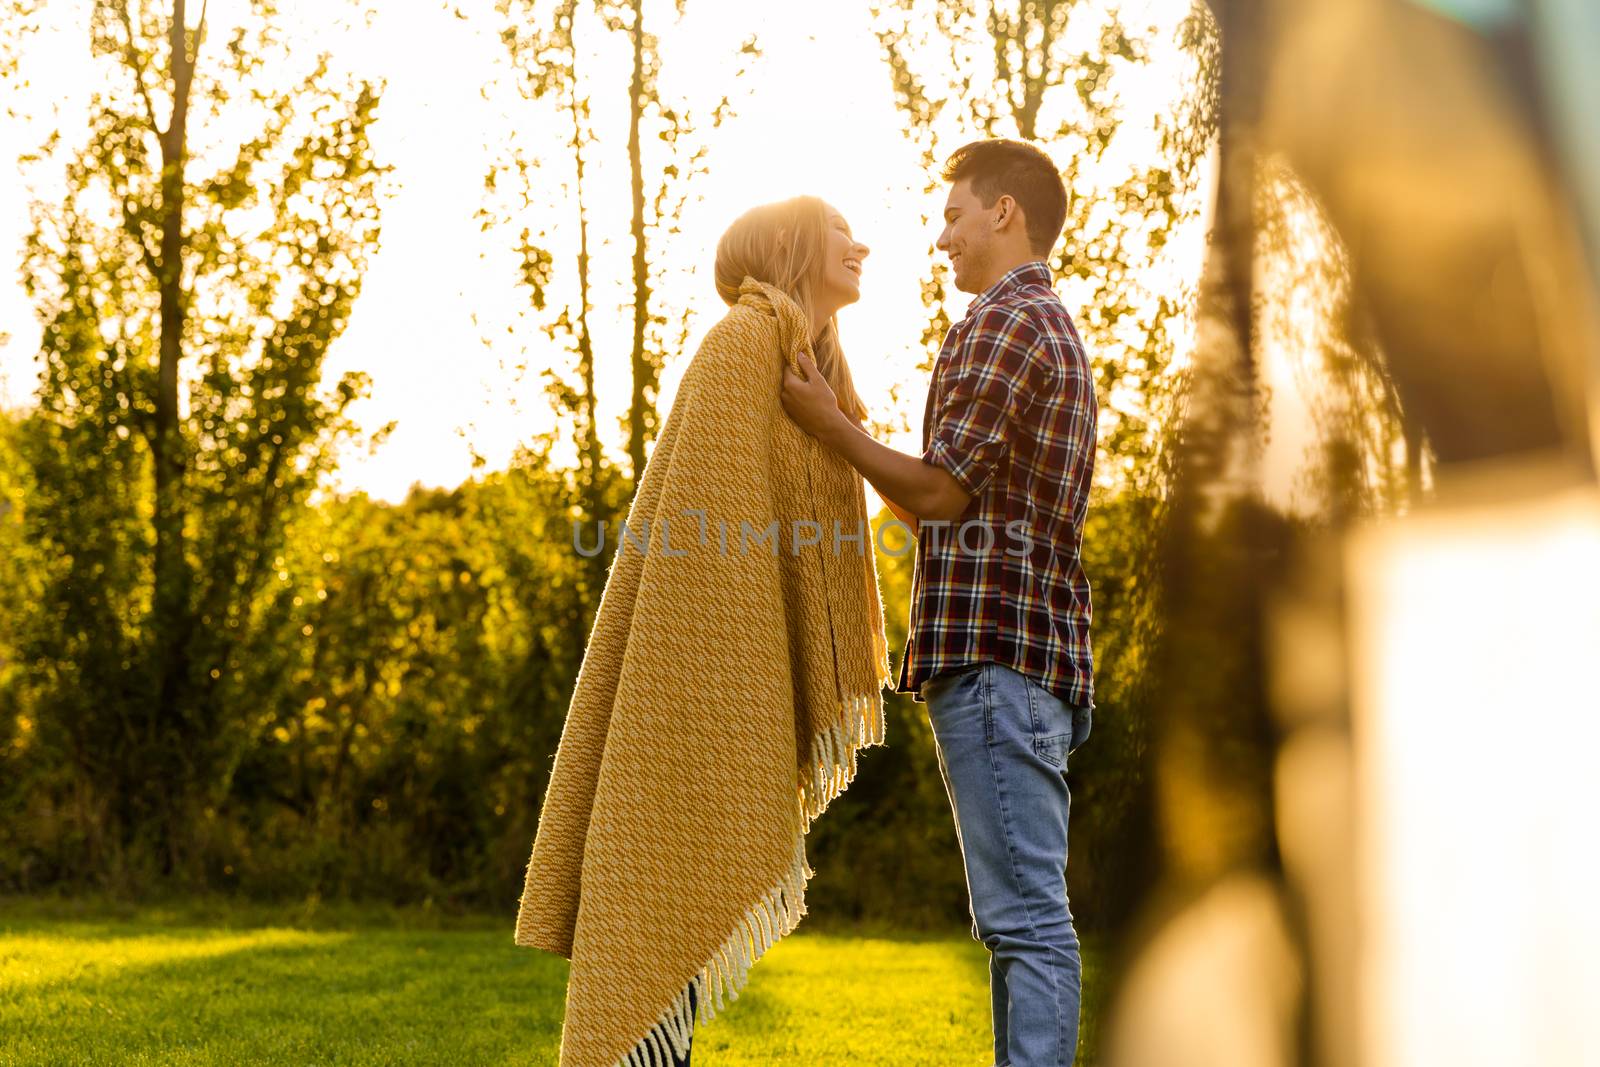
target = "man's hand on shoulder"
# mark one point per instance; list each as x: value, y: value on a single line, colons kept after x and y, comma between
x: 811, y: 402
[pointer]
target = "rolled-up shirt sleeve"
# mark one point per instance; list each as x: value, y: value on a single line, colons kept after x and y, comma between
x: 996, y: 373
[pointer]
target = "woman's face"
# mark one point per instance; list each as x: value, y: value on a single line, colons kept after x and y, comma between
x: 839, y: 281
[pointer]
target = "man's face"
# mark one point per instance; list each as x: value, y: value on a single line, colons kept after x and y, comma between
x: 967, y: 238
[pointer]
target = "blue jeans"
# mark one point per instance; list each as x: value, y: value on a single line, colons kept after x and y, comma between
x: 1003, y: 742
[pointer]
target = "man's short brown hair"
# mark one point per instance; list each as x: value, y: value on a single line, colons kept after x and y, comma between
x: 1021, y: 171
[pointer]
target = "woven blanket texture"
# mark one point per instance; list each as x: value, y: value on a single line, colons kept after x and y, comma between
x: 726, y: 687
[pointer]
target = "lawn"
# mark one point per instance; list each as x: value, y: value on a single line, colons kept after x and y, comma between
x: 217, y: 983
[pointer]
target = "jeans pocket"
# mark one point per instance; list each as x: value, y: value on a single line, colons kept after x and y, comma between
x: 1054, y: 749
x: 1052, y: 725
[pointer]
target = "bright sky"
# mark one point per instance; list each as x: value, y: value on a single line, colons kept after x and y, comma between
x: 814, y: 115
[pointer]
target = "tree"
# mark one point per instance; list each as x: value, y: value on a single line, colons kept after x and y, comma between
x: 546, y: 66
x: 653, y: 221
x: 550, y: 46
x: 189, y: 287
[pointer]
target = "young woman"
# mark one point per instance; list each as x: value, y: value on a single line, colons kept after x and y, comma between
x: 720, y: 682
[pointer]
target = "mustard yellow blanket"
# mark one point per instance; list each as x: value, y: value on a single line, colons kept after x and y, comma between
x: 733, y: 671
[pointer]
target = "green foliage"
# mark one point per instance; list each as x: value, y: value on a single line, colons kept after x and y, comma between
x: 434, y: 648
x: 21, y: 584
x: 401, y: 678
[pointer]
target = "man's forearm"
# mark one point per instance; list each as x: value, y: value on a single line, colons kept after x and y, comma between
x: 895, y: 509
x: 902, y: 514
x: 909, y: 486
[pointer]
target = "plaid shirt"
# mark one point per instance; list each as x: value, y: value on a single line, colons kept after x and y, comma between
x: 1011, y: 415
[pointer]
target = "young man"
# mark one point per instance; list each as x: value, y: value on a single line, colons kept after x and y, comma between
x: 998, y: 646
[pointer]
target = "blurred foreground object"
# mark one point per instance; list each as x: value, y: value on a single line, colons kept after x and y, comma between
x: 1474, y: 627
x: 1371, y: 752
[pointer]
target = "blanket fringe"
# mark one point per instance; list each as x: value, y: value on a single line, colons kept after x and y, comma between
x: 833, y: 763
x: 860, y: 723
x: 724, y: 975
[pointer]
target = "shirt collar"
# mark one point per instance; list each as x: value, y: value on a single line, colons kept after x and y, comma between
x: 1033, y: 272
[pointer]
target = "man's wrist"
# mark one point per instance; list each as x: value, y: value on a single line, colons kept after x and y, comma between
x: 834, y: 431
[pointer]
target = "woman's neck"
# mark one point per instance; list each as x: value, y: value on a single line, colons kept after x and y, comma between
x: 819, y: 323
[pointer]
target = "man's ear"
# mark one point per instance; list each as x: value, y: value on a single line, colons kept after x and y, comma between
x: 1005, y: 211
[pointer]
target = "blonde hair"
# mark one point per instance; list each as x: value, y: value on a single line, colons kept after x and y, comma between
x: 781, y: 244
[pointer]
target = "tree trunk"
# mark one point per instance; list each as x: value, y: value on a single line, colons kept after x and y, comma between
x: 591, y: 455
x: 167, y: 730
x: 644, y: 371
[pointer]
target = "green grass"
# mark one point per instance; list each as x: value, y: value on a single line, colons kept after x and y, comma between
x: 223, y: 983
